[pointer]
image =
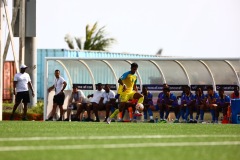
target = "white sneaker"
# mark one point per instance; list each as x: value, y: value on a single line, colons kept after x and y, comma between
x: 108, y: 120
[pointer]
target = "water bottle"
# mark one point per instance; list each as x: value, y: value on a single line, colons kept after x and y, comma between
x: 156, y: 119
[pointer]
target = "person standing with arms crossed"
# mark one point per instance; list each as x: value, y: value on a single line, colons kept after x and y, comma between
x: 58, y: 99
x: 20, y: 85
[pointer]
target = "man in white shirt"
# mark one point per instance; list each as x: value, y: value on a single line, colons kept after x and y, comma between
x: 96, y: 96
x: 58, y: 100
x: 107, y: 100
x: 21, y: 83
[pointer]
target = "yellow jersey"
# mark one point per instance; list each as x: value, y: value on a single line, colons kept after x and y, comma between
x: 129, y: 80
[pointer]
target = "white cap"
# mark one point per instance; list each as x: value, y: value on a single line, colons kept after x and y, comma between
x: 23, y: 66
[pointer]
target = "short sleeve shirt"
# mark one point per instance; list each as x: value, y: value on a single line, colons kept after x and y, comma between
x: 78, y: 95
x: 108, y: 96
x: 129, y: 80
x: 22, y: 80
x: 223, y: 100
x: 188, y: 98
x: 58, y: 84
x: 97, y: 96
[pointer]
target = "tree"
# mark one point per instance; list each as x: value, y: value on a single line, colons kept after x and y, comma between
x: 95, y: 39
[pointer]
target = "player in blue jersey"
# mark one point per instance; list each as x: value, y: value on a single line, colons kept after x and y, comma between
x: 188, y: 100
x: 211, y: 101
x: 165, y: 102
x: 148, y: 104
x: 181, y: 107
x: 223, y: 101
x: 160, y: 95
x: 199, y: 105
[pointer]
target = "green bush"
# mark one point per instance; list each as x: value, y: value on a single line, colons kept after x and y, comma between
x: 37, y: 109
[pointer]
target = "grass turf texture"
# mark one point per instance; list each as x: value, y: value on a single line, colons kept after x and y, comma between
x: 75, y: 140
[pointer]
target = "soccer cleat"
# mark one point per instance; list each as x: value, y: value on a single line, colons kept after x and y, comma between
x: 108, y: 120
x: 66, y: 119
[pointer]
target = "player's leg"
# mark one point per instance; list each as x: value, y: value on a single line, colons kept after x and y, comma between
x: 69, y: 110
x: 17, y: 102
x: 108, y: 108
x: 25, y: 101
x: 217, y: 110
x: 88, y: 109
x: 197, y: 113
x: 202, y: 111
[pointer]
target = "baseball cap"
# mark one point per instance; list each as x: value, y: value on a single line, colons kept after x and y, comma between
x: 23, y: 66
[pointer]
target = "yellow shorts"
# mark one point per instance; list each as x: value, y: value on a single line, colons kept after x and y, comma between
x: 125, y: 97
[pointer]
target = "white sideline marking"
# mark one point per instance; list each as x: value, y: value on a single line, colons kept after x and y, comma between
x: 112, y: 137
x: 112, y: 146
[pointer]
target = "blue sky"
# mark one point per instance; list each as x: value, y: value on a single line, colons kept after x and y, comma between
x: 196, y: 28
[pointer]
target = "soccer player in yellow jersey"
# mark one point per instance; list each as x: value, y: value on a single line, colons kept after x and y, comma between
x: 129, y: 90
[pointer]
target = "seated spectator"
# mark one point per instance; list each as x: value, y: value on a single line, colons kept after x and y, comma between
x: 235, y: 94
x: 211, y: 101
x: 74, y: 102
x: 160, y: 98
x: 188, y: 101
x: 94, y: 102
x: 148, y: 104
x: 107, y: 101
x: 199, y: 97
x: 181, y: 109
x: 167, y: 101
x: 223, y: 102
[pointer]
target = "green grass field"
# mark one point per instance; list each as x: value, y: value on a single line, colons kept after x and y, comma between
x: 34, y: 140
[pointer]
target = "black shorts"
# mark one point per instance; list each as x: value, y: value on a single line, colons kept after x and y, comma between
x: 59, y: 99
x: 24, y: 96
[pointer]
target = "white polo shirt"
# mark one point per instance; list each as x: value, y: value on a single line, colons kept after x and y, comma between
x: 108, y: 96
x: 97, y: 96
x: 58, y: 85
x: 22, y: 80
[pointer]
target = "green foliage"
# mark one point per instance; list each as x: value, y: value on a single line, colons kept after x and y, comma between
x: 37, y: 109
x: 6, y: 104
x: 96, y: 39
